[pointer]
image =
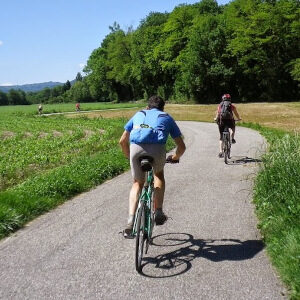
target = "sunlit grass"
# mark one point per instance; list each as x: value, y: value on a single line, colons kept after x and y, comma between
x: 284, y: 116
x: 277, y: 200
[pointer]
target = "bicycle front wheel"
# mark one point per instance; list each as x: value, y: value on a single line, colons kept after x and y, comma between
x: 140, y: 238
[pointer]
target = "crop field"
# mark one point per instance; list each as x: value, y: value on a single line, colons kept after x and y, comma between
x: 32, y: 145
x: 46, y: 160
x: 284, y: 116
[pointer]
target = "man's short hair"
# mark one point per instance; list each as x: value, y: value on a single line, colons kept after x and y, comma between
x: 156, y: 102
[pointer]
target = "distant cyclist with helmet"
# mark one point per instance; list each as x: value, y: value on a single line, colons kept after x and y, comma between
x: 77, y: 106
x: 147, y: 132
x: 224, y: 117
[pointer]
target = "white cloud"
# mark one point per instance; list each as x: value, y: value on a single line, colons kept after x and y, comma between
x: 81, y: 65
x: 1, y: 43
x: 6, y: 84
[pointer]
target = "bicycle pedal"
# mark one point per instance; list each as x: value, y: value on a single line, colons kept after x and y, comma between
x: 127, y: 236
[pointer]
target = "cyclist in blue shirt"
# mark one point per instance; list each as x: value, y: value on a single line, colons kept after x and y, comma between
x: 146, y: 133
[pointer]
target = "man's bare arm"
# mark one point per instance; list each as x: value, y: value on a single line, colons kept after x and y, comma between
x: 124, y: 143
x: 180, y: 148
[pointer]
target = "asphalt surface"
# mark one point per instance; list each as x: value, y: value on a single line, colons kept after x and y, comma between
x: 210, y: 247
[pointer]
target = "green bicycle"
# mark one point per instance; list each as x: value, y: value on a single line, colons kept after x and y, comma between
x: 144, y: 217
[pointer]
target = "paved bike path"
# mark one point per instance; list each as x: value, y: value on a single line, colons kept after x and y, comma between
x: 209, y: 248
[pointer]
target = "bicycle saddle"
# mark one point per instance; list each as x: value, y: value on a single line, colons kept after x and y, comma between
x: 146, y: 163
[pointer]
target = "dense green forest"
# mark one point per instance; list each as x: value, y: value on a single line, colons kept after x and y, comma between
x: 248, y: 48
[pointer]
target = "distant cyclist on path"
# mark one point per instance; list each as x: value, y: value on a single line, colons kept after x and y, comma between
x: 77, y: 106
x: 40, y: 109
x: 224, y: 117
x: 147, y: 132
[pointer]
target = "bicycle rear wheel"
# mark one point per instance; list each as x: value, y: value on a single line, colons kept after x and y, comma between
x: 225, y: 152
x: 226, y: 145
x: 140, y: 238
x: 228, y: 150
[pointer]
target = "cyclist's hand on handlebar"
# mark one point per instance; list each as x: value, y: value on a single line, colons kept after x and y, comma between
x: 171, y: 160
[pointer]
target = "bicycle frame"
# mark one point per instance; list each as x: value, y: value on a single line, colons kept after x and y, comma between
x: 144, y: 220
x: 146, y: 198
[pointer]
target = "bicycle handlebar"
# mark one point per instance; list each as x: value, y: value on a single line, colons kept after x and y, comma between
x: 236, y: 120
x: 171, y: 161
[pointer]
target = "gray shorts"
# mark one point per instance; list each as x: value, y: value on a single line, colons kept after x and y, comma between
x: 157, y: 151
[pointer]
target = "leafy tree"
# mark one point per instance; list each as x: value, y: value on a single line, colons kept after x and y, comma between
x: 16, y: 97
x: 208, y: 7
x: 176, y: 32
x: 264, y: 42
x: 115, y: 27
x: 45, y: 94
x: 120, y: 65
x: 295, y: 69
x: 57, y: 91
x: 146, y: 67
x: 78, y: 77
x: 206, y: 69
x: 3, y: 98
x: 79, y: 92
x: 67, y: 85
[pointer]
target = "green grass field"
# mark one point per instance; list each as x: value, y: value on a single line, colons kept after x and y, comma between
x: 46, y: 160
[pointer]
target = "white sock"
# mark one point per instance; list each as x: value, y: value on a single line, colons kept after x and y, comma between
x: 130, y: 219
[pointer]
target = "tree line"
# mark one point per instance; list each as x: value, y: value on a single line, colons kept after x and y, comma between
x: 57, y: 94
x: 248, y: 48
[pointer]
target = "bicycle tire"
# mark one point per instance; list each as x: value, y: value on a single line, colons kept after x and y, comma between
x: 150, y: 225
x: 225, y: 152
x: 140, y: 238
x: 226, y: 146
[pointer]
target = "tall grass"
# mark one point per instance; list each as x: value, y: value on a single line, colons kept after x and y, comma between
x: 277, y: 200
x: 43, y: 192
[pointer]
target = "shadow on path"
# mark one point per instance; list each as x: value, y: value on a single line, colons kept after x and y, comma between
x: 241, y: 160
x: 179, y: 261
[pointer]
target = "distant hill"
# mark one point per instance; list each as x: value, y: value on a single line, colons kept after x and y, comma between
x: 34, y: 87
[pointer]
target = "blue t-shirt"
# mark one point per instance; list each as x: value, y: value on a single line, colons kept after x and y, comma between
x: 151, y: 127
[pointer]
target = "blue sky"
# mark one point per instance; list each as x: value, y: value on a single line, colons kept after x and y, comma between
x: 51, y: 40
